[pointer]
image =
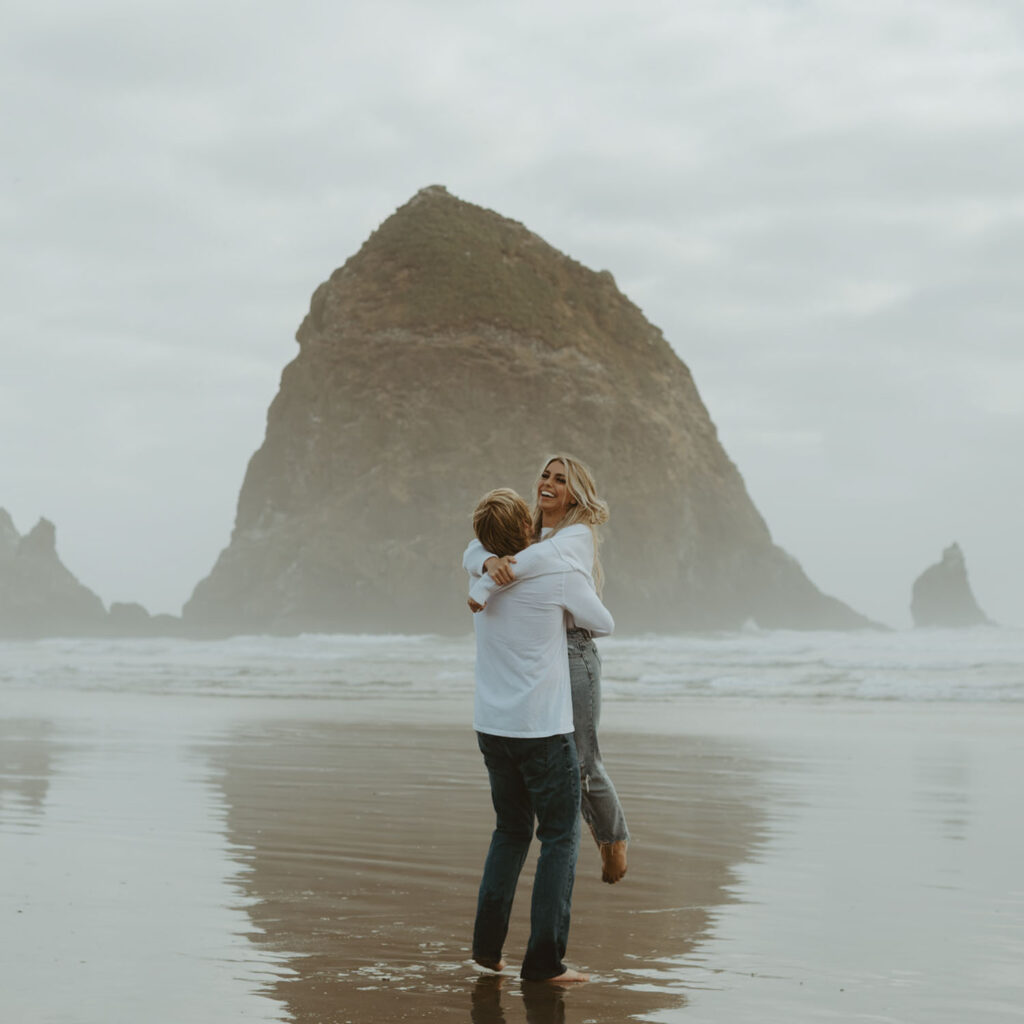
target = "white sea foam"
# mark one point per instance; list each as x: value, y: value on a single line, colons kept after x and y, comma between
x: 984, y: 664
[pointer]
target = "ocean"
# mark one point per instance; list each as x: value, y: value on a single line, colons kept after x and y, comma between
x: 981, y: 664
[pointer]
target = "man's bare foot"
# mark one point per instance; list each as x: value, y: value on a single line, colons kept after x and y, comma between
x: 613, y: 861
x: 568, y: 977
x: 491, y: 965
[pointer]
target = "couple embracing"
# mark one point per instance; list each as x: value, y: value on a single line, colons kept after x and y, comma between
x: 535, y: 577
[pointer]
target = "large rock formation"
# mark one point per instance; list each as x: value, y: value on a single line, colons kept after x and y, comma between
x: 38, y: 595
x: 449, y: 356
x: 942, y: 594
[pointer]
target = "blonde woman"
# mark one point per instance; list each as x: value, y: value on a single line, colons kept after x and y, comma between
x: 566, y: 513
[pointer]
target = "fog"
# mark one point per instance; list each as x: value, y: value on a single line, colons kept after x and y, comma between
x: 819, y: 204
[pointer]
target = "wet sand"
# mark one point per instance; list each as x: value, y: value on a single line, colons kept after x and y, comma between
x: 365, y: 847
x: 210, y: 859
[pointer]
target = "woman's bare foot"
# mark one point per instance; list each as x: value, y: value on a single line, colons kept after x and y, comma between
x: 568, y: 977
x: 613, y: 861
x: 491, y: 965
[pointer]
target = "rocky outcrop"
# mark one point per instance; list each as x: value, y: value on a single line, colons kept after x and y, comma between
x: 942, y: 594
x: 38, y: 595
x: 129, y: 619
x: 449, y: 356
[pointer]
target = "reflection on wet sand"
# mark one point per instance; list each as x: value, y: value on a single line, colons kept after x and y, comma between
x: 26, y: 763
x: 361, y: 850
x: 543, y: 1004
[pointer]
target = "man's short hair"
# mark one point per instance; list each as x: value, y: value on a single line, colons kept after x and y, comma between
x: 502, y: 522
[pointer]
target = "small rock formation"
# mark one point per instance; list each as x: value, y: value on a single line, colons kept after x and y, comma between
x: 38, y: 595
x: 942, y: 594
x: 131, y: 619
x: 448, y: 356
x: 128, y: 618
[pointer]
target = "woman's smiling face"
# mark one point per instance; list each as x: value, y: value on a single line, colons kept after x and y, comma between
x: 553, y: 494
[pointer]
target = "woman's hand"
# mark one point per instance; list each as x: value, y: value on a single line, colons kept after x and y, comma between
x: 498, y: 569
x: 475, y: 607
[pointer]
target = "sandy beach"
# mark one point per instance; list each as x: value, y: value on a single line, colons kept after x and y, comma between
x: 207, y: 857
x: 364, y: 853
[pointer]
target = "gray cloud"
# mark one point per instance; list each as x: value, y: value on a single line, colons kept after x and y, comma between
x: 819, y: 204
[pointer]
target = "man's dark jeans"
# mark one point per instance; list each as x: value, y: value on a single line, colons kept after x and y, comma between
x: 530, y: 778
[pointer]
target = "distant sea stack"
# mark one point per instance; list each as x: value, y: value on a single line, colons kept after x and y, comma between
x: 942, y: 594
x: 448, y: 356
x: 38, y: 595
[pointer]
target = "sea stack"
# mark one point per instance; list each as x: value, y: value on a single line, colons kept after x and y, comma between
x: 38, y: 595
x: 449, y: 356
x: 942, y: 594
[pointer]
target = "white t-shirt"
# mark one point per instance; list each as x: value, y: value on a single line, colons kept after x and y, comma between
x: 522, y: 669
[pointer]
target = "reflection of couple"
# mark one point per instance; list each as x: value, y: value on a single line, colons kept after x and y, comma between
x: 536, y: 711
x: 543, y: 1003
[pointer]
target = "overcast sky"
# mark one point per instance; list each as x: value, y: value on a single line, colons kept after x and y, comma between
x: 819, y: 203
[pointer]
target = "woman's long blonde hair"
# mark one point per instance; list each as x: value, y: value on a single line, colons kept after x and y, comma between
x: 585, y: 506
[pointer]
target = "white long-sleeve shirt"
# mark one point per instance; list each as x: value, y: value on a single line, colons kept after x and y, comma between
x: 569, y: 549
x: 522, y: 671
